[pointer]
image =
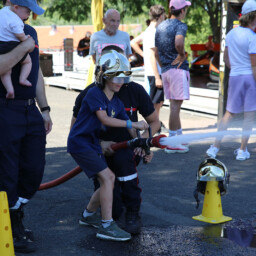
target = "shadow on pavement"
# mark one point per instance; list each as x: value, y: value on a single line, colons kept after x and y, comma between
x: 167, y: 208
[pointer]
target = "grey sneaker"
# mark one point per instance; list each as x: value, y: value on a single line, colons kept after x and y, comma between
x: 113, y: 232
x: 93, y: 220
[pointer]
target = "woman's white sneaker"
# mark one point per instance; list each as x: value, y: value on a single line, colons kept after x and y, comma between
x: 242, y: 155
x: 212, y: 151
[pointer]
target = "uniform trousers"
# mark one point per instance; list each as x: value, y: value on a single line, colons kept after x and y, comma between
x: 22, y: 155
x: 126, y: 190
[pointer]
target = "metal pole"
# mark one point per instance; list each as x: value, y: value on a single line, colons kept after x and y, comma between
x: 68, y: 54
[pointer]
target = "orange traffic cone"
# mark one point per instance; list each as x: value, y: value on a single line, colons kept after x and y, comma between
x: 212, y: 208
x: 6, y: 241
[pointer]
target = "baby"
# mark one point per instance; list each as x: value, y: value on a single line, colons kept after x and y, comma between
x: 11, y: 34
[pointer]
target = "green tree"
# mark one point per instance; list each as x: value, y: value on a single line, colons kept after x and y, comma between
x: 202, y: 15
x: 79, y: 10
x: 76, y: 10
x: 198, y: 29
x: 212, y: 9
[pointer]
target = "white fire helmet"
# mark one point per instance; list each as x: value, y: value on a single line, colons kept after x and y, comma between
x: 212, y: 169
x: 113, y: 66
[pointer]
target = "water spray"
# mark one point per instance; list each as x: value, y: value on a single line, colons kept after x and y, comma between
x: 186, y: 138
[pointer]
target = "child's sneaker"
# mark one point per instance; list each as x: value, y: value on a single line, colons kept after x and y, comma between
x: 212, y: 151
x: 93, y: 220
x: 176, y: 149
x: 241, y: 155
x: 113, y: 232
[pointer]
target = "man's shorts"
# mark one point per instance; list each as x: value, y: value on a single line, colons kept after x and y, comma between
x: 176, y: 84
x: 156, y: 94
x: 91, y: 162
x: 241, y: 94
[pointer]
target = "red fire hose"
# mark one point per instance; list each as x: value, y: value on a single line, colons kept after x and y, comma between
x: 138, y: 142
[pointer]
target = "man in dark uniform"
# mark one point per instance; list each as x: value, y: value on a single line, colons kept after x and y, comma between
x: 123, y: 162
x: 84, y: 45
x: 22, y: 156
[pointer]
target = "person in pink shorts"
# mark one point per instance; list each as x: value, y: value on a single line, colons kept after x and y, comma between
x: 169, y: 41
x: 240, y: 57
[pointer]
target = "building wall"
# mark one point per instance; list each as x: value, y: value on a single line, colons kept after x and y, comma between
x: 52, y: 39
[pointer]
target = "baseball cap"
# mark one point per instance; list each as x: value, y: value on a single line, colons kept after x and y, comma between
x: 30, y: 4
x: 179, y: 4
x: 248, y: 6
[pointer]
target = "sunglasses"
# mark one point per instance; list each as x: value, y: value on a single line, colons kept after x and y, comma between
x: 114, y: 74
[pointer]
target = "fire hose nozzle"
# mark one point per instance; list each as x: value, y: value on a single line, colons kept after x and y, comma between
x: 155, y: 142
x: 146, y: 142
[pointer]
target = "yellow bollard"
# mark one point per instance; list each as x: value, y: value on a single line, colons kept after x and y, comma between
x: 212, y: 208
x: 6, y: 241
x: 90, y: 74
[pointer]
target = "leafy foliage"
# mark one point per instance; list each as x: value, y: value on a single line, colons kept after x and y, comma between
x: 212, y: 8
x: 198, y: 29
x: 79, y: 10
x: 203, y: 18
x: 76, y: 10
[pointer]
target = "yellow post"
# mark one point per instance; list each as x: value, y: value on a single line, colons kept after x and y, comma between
x: 97, y: 14
x: 90, y: 74
x: 97, y: 21
x: 212, y: 208
x: 6, y: 241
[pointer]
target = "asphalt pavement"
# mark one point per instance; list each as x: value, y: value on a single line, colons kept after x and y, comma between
x: 167, y: 206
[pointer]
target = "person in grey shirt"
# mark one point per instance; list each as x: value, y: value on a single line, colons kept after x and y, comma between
x: 110, y: 35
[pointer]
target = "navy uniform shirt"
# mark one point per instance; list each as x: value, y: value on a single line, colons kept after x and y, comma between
x: 84, y: 135
x: 25, y: 92
x: 135, y: 100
